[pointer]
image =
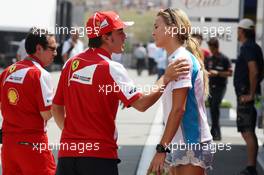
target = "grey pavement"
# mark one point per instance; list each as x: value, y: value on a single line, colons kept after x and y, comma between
x: 138, y: 129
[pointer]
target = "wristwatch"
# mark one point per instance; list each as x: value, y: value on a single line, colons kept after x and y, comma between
x: 161, y: 149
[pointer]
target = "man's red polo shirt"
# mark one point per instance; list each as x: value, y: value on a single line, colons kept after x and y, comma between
x: 90, y: 87
x: 25, y: 90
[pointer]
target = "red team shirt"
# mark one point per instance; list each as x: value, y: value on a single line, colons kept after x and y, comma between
x: 90, y: 87
x: 21, y: 112
x: 25, y: 90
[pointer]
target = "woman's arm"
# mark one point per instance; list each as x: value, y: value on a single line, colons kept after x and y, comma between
x: 179, y: 98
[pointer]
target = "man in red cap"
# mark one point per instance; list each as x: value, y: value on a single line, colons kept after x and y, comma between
x: 87, y: 99
x: 26, y: 94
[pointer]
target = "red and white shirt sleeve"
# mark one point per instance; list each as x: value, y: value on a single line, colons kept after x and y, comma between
x: 44, y: 90
x: 128, y: 92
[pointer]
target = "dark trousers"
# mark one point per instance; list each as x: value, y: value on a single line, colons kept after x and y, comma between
x: 140, y: 66
x: 151, y: 66
x: 216, y: 95
x: 86, y: 166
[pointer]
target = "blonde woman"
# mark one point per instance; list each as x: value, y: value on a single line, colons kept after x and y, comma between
x: 185, y: 147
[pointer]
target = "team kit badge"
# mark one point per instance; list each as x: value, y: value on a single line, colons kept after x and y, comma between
x: 13, y: 96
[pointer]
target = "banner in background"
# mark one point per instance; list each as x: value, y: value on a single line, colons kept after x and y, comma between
x: 209, y: 8
x: 225, y: 32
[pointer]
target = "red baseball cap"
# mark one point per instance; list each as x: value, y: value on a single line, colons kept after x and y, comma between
x: 103, y: 22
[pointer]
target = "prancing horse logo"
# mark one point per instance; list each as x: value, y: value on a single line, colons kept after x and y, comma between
x: 75, y: 64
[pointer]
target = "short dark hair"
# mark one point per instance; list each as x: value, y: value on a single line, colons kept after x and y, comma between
x: 213, y: 42
x: 36, y: 36
x: 97, y: 41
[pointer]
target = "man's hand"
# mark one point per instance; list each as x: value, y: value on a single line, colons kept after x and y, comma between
x: 176, y: 69
x: 246, y: 98
x: 213, y: 73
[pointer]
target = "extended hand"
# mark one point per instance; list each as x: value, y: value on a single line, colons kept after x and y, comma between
x: 213, y: 73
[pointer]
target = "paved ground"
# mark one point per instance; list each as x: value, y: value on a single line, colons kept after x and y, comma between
x: 137, y: 129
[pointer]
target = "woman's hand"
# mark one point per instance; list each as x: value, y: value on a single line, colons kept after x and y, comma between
x: 157, y: 164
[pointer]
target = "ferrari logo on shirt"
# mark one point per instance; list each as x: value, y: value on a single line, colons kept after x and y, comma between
x: 13, y: 96
x: 75, y: 65
x: 12, y: 68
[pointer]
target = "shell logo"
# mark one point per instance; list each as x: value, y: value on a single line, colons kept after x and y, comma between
x: 13, y: 96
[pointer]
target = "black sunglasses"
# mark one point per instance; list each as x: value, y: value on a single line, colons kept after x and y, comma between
x: 169, y: 11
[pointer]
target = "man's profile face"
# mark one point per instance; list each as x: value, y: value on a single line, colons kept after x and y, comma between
x: 117, y: 41
x: 49, y: 53
x: 239, y: 34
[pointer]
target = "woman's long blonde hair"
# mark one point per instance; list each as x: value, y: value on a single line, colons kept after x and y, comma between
x: 178, y: 19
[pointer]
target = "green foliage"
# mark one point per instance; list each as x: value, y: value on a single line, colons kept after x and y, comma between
x: 259, y: 101
x: 141, y: 31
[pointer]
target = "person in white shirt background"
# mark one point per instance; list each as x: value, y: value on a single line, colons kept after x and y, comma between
x: 140, y: 54
x: 72, y: 46
x: 21, y: 52
x: 161, y: 61
x: 152, y: 51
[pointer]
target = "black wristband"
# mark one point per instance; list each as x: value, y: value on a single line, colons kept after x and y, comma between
x: 161, y: 149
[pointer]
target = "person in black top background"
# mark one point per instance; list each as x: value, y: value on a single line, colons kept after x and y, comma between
x: 219, y: 68
x: 247, y: 77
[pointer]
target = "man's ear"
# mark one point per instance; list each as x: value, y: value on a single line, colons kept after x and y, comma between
x: 39, y: 49
x: 104, y: 37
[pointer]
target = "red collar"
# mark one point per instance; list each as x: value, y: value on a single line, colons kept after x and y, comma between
x: 36, y: 59
x: 102, y: 52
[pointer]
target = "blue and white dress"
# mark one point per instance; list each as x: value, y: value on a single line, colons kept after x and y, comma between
x: 189, y: 143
